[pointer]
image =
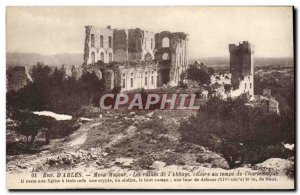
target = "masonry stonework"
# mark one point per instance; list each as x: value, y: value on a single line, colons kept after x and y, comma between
x: 158, y: 59
x: 171, y: 53
x: 242, y: 66
x: 98, y: 45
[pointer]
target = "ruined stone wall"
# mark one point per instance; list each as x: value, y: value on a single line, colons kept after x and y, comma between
x: 148, y: 46
x: 95, y: 49
x: 135, y: 43
x: 245, y: 87
x: 173, y: 45
x: 138, y: 76
x: 120, y: 45
x: 86, y: 53
x: 141, y: 45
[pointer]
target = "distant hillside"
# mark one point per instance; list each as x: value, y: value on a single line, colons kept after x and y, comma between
x: 27, y: 59
x: 259, y: 61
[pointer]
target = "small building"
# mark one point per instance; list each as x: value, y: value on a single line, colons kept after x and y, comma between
x: 269, y: 103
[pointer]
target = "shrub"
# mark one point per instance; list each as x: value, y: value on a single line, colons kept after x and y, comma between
x: 145, y: 162
x: 52, y: 90
x: 242, y: 134
x: 196, y: 74
x: 155, y: 124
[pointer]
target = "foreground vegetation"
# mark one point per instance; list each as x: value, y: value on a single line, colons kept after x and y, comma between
x: 242, y: 134
x: 51, y: 90
x: 239, y: 133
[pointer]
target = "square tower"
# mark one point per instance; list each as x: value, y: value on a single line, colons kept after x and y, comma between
x: 242, y: 67
x: 241, y: 59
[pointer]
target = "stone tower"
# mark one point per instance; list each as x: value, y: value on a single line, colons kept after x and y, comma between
x: 242, y: 65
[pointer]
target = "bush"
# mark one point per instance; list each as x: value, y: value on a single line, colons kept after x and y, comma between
x: 155, y: 124
x: 242, y: 134
x: 52, y: 90
x: 28, y: 125
x: 145, y: 162
x: 196, y: 74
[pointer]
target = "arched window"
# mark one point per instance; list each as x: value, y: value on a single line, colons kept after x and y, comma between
x: 124, y: 80
x: 166, y: 42
x: 165, y: 56
x: 93, y: 57
x: 180, y: 59
x: 131, y: 79
x: 109, y: 41
x: 101, y: 41
x: 110, y: 57
x: 92, y: 40
x: 102, y: 56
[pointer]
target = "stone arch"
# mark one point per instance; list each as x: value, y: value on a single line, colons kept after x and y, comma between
x: 110, y: 57
x: 165, y: 56
x: 102, y: 56
x: 132, y: 79
x: 93, y: 57
x: 92, y: 40
x: 180, y: 60
x: 166, y: 42
x: 109, y: 80
x: 109, y: 42
x: 101, y: 41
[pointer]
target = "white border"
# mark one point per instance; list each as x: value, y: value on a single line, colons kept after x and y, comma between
x: 5, y: 3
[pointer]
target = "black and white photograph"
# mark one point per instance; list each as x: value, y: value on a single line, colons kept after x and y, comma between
x: 156, y: 97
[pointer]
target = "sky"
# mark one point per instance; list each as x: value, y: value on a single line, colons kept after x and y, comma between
x: 56, y: 30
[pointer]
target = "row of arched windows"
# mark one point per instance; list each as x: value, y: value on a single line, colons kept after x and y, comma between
x: 101, y: 41
x: 165, y: 41
x: 93, y: 57
x: 131, y: 77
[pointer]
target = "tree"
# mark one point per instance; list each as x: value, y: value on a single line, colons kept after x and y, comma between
x: 41, y: 73
x: 74, y: 72
x: 211, y: 70
x: 181, y: 82
x: 28, y: 125
x: 199, y: 75
x: 242, y: 134
x: 92, y: 86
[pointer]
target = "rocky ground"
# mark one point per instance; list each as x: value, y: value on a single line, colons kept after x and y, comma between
x: 133, y: 141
